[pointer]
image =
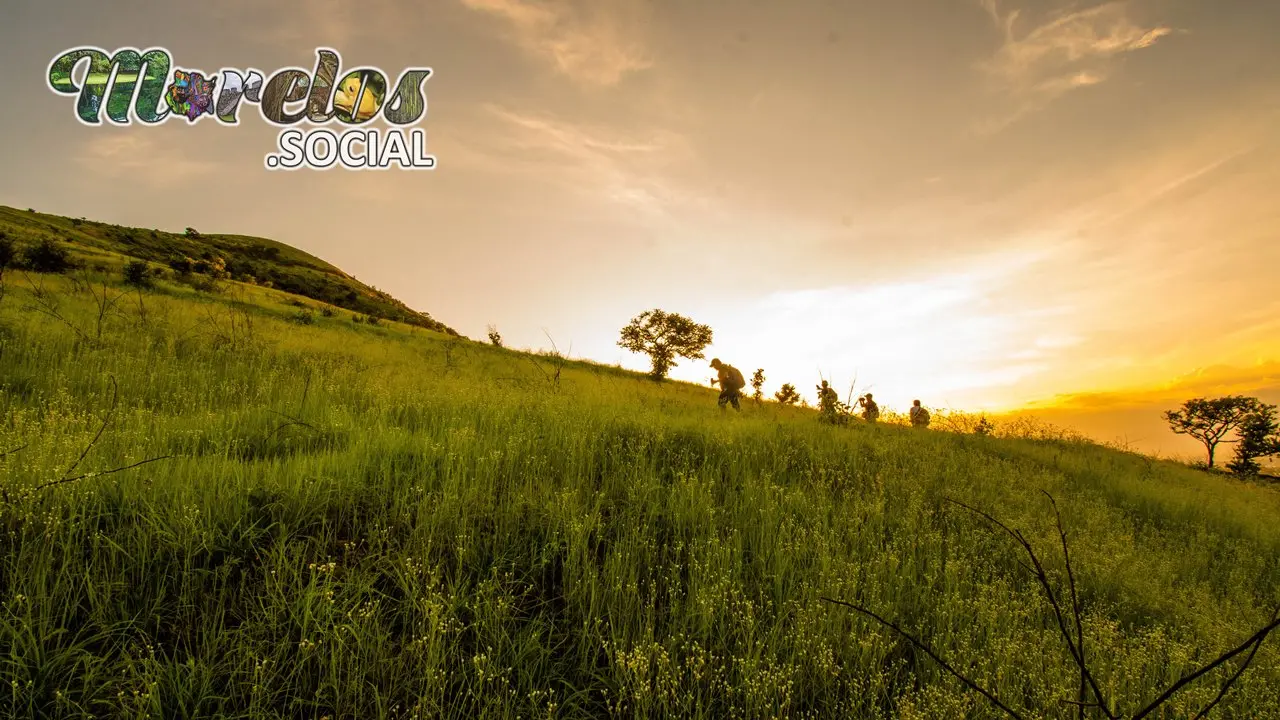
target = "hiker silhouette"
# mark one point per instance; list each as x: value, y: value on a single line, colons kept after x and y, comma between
x: 731, y: 383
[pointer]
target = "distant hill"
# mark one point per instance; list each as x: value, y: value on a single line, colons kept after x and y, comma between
x: 247, y: 259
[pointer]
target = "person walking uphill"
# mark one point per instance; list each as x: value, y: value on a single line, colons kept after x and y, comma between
x: 919, y: 416
x: 731, y: 384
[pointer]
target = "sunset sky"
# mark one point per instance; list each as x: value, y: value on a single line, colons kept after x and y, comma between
x: 981, y: 203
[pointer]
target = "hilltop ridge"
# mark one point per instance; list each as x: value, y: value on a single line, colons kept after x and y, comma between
x: 247, y: 259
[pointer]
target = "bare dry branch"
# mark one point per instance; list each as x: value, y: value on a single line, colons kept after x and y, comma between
x: 64, y: 480
x: 67, y: 477
x: 1222, y: 692
x: 1255, y: 640
x: 1043, y: 579
x: 928, y: 651
x: 106, y: 420
x: 47, y: 305
x: 1075, y: 602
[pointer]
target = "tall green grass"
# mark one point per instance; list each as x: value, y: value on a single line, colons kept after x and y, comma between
x: 383, y: 522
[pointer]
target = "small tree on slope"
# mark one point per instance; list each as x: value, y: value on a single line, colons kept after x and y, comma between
x: 787, y: 395
x: 757, y: 385
x: 664, y: 336
x: 1259, y: 437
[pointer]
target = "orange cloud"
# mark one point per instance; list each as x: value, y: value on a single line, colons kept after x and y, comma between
x: 1217, y: 380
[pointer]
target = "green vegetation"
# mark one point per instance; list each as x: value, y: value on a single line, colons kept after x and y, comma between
x: 327, y: 518
x: 664, y: 336
x: 1257, y: 437
x: 244, y: 259
x: 787, y: 394
x: 757, y: 385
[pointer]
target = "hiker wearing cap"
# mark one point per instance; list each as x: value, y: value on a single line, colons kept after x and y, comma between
x: 870, y: 410
x: 731, y: 384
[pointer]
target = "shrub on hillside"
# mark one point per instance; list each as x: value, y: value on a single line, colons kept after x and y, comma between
x: 137, y: 273
x: 787, y: 395
x: 202, y: 283
x: 984, y: 427
x: 181, y: 265
x: 7, y: 252
x: 213, y: 266
x: 46, y: 256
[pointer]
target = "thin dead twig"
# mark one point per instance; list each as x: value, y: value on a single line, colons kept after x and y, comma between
x: 67, y: 477
x: 928, y: 651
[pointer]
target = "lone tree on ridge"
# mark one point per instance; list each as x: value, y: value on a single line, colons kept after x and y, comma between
x: 1209, y: 421
x: 664, y: 336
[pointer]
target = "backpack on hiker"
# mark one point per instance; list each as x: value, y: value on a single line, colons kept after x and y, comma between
x: 735, y: 381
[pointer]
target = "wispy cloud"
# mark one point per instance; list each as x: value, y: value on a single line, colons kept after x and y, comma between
x: 142, y: 158
x: 606, y: 163
x: 596, y: 42
x: 1139, y: 196
x: 1064, y: 53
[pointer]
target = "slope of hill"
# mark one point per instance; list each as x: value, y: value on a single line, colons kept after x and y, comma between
x: 212, y: 510
x: 246, y: 259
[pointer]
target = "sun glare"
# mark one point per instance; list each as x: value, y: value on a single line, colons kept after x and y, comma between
x: 952, y: 340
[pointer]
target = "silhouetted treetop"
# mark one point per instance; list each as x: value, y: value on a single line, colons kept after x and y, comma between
x: 1209, y: 421
x: 664, y: 336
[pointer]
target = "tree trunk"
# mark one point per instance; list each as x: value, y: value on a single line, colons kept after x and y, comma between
x: 1211, y: 447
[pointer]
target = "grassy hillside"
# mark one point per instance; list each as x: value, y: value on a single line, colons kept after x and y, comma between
x: 246, y: 259
x: 351, y: 521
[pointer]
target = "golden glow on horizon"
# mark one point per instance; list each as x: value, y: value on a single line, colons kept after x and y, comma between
x: 940, y: 337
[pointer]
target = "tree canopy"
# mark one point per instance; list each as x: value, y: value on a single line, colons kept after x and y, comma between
x: 1259, y: 437
x: 1211, y: 420
x: 664, y: 336
x: 787, y: 395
